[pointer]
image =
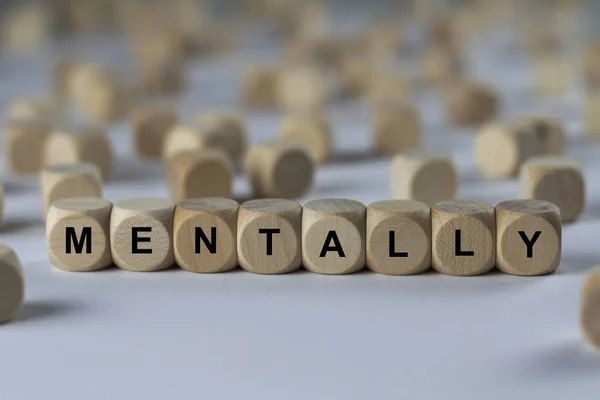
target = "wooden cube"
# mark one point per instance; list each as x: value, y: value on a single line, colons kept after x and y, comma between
x: 150, y: 126
x: 80, y: 145
x: 12, y: 285
x: 159, y: 56
x: 302, y: 88
x: 388, y: 86
x: 425, y: 177
x: 333, y: 236
x: 48, y: 112
x: 25, y: 26
x: 551, y: 74
x: 528, y: 237
x: 98, y: 92
x: 78, y: 234
x: 325, y: 51
x: 182, y: 139
x: 259, y: 87
x: 205, y: 233
x: 223, y: 131
x: 591, y: 114
x: 280, y: 170
x: 396, y: 128
x: 589, y: 311
x: 591, y: 66
x: 141, y: 234
x: 383, y: 40
x: 556, y: 179
x: 204, y: 173
x: 313, y: 131
x: 2, y: 201
x: 69, y: 180
x: 60, y: 76
x: 398, y: 237
x: 441, y: 65
x: 355, y: 74
x: 500, y: 150
x: 24, y: 142
x: 472, y: 103
x: 463, y: 237
x: 549, y: 131
x: 269, y: 236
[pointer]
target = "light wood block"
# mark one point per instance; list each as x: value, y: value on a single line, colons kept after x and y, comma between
x: 549, y: 131
x: 396, y: 128
x: 388, y: 86
x: 528, y: 237
x: 279, y: 170
x: 269, y: 236
x: 302, y: 88
x: 205, y: 233
x: 12, y: 285
x: 159, y: 56
x: 48, y: 112
x: 355, y: 74
x: 98, y: 92
x: 150, y: 127
x: 223, y: 131
x: 472, y: 103
x: 551, y: 74
x: 441, y: 65
x: 78, y: 234
x: 80, y: 145
x: 591, y: 66
x: 398, y: 237
x: 425, y: 177
x: 556, y: 179
x: 333, y: 236
x: 500, y: 150
x: 591, y: 114
x: 69, y: 180
x: 182, y: 139
x: 141, y: 234
x: 463, y: 237
x: 325, y: 51
x: 384, y: 40
x: 204, y: 173
x: 259, y: 87
x: 24, y: 142
x: 589, y: 311
x: 2, y: 201
x: 313, y: 131
x: 25, y: 26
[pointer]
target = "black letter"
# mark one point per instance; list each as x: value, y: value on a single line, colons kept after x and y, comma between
x: 135, y: 240
x: 530, y: 243
x: 269, y: 233
x: 332, y: 235
x: 86, y: 237
x: 211, y: 244
x: 457, y: 251
x: 393, y: 252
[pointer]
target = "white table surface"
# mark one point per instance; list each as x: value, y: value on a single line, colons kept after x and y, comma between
x: 173, y: 334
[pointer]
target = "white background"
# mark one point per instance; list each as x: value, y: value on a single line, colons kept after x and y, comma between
x: 173, y: 334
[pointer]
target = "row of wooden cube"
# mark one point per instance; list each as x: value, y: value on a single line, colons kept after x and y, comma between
x: 327, y: 236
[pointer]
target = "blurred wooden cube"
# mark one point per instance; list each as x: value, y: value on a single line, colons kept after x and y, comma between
x: 551, y: 74
x: 150, y: 126
x: 396, y: 128
x: 259, y: 87
x: 24, y: 142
